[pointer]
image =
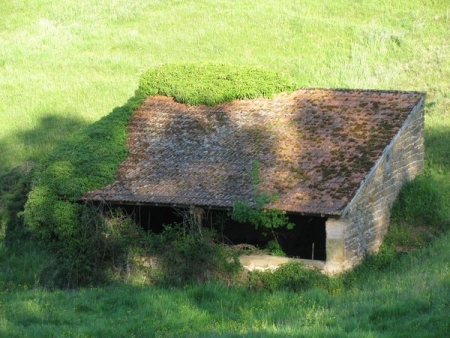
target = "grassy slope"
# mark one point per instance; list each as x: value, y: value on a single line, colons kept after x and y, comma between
x: 65, y: 64
x: 412, y: 299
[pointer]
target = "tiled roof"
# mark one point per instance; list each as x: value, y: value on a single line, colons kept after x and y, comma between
x: 314, y: 148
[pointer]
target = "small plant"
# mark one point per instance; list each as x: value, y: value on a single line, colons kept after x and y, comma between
x: 292, y: 276
x: 188, y: 256
x: 258, y: 214
x: 275, y: 248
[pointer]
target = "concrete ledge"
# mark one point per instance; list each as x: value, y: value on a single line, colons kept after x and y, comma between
x: 271, y: 263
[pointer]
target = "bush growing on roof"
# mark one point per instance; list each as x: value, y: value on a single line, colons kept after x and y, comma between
x: 89, y: 160
x: 212, y: 84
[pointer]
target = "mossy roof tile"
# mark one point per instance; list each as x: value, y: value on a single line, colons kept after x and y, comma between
x: 314, y: 146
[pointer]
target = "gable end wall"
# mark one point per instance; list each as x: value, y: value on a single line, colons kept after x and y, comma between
x: 365, y: 220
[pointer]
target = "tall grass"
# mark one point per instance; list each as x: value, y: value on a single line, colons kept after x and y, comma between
x: 64, y: 64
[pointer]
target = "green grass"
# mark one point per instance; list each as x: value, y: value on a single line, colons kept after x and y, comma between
x: 411, y: 299
x: 76, y: 60
x: 65, y: 64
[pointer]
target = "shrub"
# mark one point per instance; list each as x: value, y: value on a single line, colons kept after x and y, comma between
x: 211, y: 84
x: 184, y: 258
x: 292, y: 276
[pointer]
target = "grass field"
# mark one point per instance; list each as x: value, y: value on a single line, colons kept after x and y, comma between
x: 65, y: 64
x: 410, y: 299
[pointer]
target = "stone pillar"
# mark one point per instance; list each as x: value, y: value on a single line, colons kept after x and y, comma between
x: 335, y: 245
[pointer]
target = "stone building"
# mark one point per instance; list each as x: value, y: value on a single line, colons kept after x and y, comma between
x: 336, y: 160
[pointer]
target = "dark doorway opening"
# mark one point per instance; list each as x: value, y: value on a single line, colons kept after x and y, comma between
x: 152, y: 217
x: 306, y: 240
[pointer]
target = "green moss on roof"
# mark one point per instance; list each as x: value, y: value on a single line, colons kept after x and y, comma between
x: 201, y: 155
x: 211, y: 84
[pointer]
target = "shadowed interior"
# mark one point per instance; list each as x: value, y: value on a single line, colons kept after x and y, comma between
x: 306, y: 240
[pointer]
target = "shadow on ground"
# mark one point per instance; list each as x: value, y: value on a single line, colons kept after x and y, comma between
x: 33, y: 144
x: 26, y: 148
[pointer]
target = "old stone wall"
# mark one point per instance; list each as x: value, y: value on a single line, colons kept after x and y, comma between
x: 364, y: 222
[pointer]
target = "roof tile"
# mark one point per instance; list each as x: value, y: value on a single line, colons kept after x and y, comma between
x: 315, y: 146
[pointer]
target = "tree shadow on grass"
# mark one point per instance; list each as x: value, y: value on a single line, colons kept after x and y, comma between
x: 33, y: 144
x: 26, y: 147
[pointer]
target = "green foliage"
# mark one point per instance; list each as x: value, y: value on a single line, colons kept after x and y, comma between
x: 190, y: 257
x: 14, y: 187
x: 258, y: 214
x: 87, y: 161
x: 65, y: 61
x: 211, y: 84
x: 103, y: 242
x: 73, y: 60
x: 266, y: 219
x: 275, y: 248
x: 292, y: 276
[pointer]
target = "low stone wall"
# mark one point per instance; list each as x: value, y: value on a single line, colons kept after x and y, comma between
x: 364, y: 222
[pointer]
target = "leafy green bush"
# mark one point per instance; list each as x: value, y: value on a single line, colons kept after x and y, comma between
x: 257, y: 213
x: 89, y: 160
x: 101, y: 251
x: 187, y: 257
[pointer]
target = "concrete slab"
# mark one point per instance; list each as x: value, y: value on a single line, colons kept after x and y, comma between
x: 271, y: 263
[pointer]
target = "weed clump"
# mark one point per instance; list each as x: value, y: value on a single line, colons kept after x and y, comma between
x: 190, y: 257
x: 295, y: 277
